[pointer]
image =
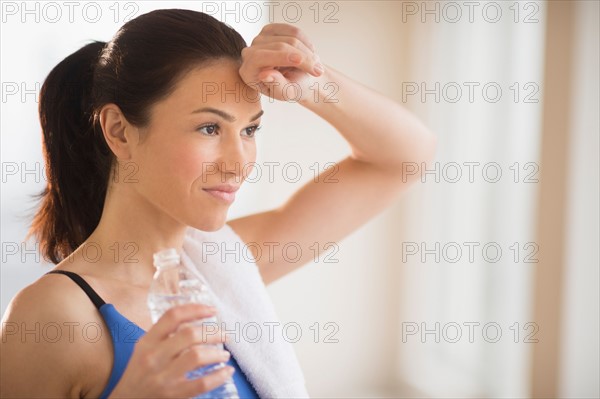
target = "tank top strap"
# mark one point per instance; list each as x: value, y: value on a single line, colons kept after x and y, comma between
x: 94, y: 297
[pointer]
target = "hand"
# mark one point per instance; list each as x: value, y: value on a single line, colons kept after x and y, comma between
x: 163, y: 356
x: 281, y: 63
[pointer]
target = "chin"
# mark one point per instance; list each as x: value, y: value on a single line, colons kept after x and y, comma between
x: 211, y: 224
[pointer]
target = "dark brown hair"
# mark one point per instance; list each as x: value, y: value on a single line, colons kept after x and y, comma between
x: 141, y: 65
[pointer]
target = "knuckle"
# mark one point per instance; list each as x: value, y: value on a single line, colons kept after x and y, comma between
x: 295, y: 42
x: 256, y: 40
x: 148, y: 360
x: 203, y: 335
x: 207, y: 333
x: 243, y: 72
x: 267, y: 28
x: 197, y: 355
x: 294, y: 30
x: 213, y: 336
x: 248, y: 53
x: 174, y: 314
x: 188, y: 334
x: 202, y: 384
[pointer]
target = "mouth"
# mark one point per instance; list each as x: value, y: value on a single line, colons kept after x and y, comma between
x: 224, y: 196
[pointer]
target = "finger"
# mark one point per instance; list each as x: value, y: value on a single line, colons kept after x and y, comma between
x: 273, y: 80
x: 280, y: 29
x: 196, y: 357
x: 294, y: 42
x: 279, y: 54
x: 172, y: 318
x: 188, y: 336
x: 206, y: 383
x: 291, y: 40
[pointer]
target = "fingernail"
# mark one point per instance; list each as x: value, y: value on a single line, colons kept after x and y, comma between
x: 229, y: 370
x: 269, y: 79
x: 318, y: 68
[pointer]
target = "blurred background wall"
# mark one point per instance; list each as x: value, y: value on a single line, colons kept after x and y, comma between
x: 482, y: 280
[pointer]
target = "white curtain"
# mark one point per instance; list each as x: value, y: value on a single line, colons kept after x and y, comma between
x: 482, y: 199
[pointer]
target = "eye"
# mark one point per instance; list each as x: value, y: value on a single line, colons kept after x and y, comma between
x: 252, y: 130
x: 208, y: 129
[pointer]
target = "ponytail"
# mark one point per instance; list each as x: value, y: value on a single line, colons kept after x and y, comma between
x: 77, y: 158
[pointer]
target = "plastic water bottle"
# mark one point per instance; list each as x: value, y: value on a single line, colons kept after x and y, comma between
x: 174, y: 284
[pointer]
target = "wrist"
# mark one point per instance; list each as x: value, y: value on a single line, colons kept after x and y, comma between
x: 321, y: 91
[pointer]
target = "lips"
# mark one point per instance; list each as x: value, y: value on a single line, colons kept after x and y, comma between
x: 222, y: 195
x: 227, y: 188
x: 223, y: 192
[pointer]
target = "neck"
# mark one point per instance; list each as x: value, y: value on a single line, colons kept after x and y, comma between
x: 130, y: 231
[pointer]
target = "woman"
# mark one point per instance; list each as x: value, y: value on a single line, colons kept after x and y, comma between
x: 142, y: 142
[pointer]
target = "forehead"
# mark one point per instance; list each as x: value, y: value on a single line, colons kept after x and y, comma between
x: 216, y: 85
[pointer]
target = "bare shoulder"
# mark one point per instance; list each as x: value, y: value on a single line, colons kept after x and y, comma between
x: 42, y: 339
x: 52, y: 297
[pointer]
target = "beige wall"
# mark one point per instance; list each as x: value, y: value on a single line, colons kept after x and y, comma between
x: 579, y: 351
x: 359, y: 292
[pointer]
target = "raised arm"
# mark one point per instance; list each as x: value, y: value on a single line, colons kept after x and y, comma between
x: 386, y: 141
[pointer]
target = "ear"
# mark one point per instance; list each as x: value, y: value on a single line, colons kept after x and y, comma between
x: 120, y: 136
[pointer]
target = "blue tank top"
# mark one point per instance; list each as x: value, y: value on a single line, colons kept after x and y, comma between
x: 125, y: 333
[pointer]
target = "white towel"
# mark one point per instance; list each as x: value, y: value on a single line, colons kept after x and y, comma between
x: 228, y: 268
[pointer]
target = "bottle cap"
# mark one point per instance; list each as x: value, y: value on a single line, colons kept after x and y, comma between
x: 166, y: 257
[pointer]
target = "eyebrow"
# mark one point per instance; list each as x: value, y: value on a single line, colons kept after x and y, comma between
x: 225, y: 115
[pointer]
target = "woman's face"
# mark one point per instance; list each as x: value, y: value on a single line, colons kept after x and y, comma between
x: 199, y: 137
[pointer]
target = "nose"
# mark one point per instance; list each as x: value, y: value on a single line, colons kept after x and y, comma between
x: 234, y: 153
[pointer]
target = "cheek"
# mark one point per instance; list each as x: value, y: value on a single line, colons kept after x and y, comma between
x: 250, y: 161
x: 170, y: 169
x: 185, y: 163
x: 194, y: 166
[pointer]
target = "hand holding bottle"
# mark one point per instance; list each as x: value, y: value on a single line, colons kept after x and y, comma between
x: 174, y: 284
x: 171, y: 348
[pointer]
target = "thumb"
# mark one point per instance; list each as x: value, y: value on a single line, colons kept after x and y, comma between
x: 272, y: 82
x: 272, y: 77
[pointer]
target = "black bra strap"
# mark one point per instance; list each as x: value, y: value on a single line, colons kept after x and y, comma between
x: 84, y: 286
